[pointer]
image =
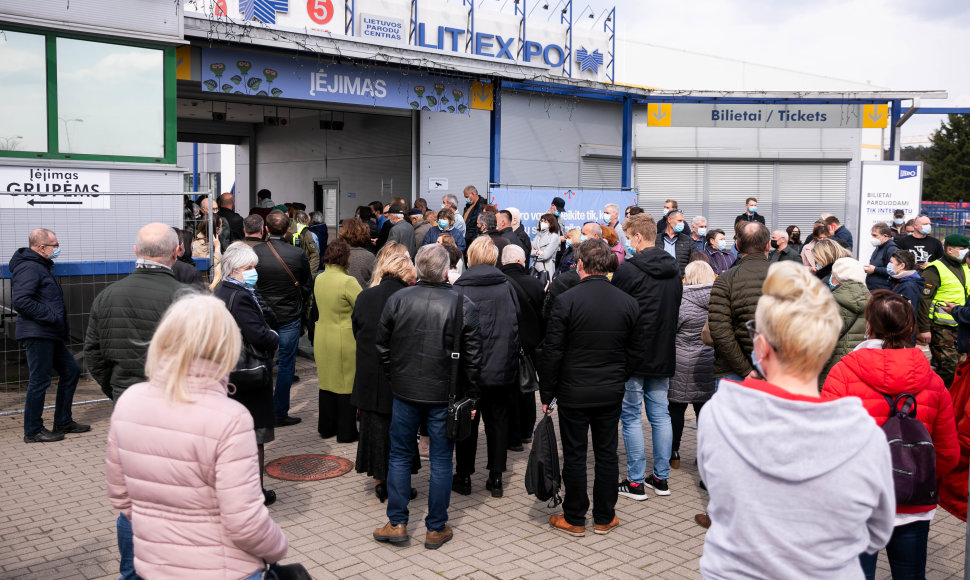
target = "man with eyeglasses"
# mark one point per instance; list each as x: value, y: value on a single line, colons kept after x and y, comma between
x: 42, y: 330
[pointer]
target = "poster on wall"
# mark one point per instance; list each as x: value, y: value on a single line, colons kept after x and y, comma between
x: 582, y: 205
x: 44, y: 188
x: 886, y: 187
x: 254, y: 74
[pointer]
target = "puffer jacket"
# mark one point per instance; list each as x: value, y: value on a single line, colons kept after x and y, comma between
x: 653, y: 278
x: 187, y: 476
x: 122, y: 321
x: 880, y: 257
x: 693, y: 380
x: 910, y: 288
x: 499, y: 318
x: 851, y: 297
x: 683, y: 246
x: 870, y: 373
x: 37, y: 297
x: 415, y: 338
x: 953, y: 486
x: 734, y: 299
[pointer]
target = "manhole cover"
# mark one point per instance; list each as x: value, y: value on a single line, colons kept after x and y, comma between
x: 308, y: 467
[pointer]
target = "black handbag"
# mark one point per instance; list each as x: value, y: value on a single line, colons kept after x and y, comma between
x: 458, y: 425
x: 286, y: 572
x: 526, y: 376
x: 251, y: 372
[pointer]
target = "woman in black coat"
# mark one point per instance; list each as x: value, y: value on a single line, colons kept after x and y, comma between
x: 237, y: 289
x: 372, y: 390
x: 498, y: 314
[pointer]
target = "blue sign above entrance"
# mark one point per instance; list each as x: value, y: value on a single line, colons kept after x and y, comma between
x: 243, y: 73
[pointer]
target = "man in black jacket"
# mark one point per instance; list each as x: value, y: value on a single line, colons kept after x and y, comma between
x: 416, y: 339
x: 41, y: 330
x: 503, y: 224
x: 751, y: 214
x: 474, y: 205
x: 652, y: 277
x: 284, y: 282
x: 588, y: 354
x: 675, y: 240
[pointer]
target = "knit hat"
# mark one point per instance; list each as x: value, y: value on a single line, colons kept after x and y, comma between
x: 846, y: 269
x: 957, y: 240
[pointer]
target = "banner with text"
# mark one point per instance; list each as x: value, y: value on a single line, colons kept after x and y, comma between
x: 886, y: 187
x: 582, y: 205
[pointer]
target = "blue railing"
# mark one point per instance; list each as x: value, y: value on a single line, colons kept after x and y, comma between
x: 947, y: 217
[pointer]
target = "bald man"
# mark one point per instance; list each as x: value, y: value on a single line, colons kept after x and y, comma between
x: 41, y: 331
x: 116, y: 342
x: 227, y: 210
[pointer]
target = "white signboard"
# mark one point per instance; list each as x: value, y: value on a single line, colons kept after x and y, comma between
x: 886, y: 187
x: 383, y: 28
x: 54, y: 188
x: 438, y: 184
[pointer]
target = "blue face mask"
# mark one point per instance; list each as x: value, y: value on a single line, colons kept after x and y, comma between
x: 582, y: 238
x: 250, y: 277
x: 890, y: 269
x: 899, y: 222
x: 722, y: 245
x: 925, y: 230
x: 443, y: 224
x: 556, y: 213
x: 757, y: 365
x: 666, y: 211
x: 679, y: 227
x: 831, y: 285
x: 627, y: 246
x: 569, y: 243
x: 753, y: 209
x: 701, y: 232
x: 607, y: 220
x: 57, y: 252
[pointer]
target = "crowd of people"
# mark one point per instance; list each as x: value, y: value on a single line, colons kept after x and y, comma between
x: 408, y: 309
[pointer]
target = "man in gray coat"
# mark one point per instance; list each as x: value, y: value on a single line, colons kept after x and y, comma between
x: 402, y: 231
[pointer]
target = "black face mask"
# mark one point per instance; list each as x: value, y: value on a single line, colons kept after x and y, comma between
x: 795, y: 237
x: 774, y: 245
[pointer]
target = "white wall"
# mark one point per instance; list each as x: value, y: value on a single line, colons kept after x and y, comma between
x: 453, y: 147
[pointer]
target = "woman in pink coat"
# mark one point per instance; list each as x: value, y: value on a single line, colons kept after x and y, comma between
x: 181, y: 461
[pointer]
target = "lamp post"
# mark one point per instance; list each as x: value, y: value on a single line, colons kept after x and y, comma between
x: 67, y: 130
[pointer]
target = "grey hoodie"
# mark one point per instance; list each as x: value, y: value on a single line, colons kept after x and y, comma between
x: 798, y: 488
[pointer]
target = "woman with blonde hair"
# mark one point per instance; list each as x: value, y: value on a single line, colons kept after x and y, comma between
x: 181, y: 459
x: 693, y: 380
x: 826, y: 252
x: 820, y: 231
x: 372, y: 388
x: 388, y: 252
x: 772, y: 450
x: 236, y: 286
x: 200, y: 245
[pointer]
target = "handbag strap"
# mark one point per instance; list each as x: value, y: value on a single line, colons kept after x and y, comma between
x: 456, y: 349
x: 285, y: 267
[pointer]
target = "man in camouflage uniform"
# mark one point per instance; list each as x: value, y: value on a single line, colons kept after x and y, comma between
x: 947, y: 281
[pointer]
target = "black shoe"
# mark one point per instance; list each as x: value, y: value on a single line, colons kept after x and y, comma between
x: 462, y: 485
x: 704, y: 487
x: 287, y: 421
x: 269, y: 497
x: 675, y: 459
x: 296, y: 379
x: 516, y: 447
x: 658, y: 485
x: 45, y: 436
x: 632, y: 490
x: 414, y: 493
x: 527, y: 440
x: 72, y: 427
x: 494, y: 485
x: 380, y: 490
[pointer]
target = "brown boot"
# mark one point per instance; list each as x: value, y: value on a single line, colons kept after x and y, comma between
x: 606, y: 528
x: 434, y: 540
x: 703, y: 520
x: 559, y: 522
x: 391, y: 533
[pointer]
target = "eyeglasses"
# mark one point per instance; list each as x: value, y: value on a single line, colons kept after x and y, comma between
x: 50, y: 245
x: 753, y: 331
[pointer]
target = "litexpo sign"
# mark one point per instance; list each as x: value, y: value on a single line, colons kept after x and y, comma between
x: 886, y: 187
x: 491, y: 45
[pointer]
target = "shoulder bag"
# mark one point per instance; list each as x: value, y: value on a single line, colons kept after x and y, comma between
x: 458, y: 425
x: 251, y: 372
x: 303, y: 292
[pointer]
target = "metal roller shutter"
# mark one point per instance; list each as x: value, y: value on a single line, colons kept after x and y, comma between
x: 729, y: 184
x: 808, y: 190
x: 600, y: 172
x: 660, y: 181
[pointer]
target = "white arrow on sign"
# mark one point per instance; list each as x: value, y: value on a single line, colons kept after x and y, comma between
x: 875, y: 119
x: 658, y: 116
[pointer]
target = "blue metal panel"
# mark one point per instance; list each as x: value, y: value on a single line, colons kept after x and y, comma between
x: 943, y: 111
x: 495, y: 136
x: 626, y: 170
x: 65, y: 269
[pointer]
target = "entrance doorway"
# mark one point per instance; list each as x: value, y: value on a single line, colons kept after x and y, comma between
x: 326, y: 193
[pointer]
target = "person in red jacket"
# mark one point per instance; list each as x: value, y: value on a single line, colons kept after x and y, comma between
x: 953, y: 486
x: 886, y: 365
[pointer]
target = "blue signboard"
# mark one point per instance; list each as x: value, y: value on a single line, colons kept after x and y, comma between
x: 243, y: 73
x: 582, y: 205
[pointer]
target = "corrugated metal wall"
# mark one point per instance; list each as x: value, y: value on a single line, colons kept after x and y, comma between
x: 141, y: 19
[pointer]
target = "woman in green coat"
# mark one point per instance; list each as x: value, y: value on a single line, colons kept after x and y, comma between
x: 334, y: 347
x: 848, y: 283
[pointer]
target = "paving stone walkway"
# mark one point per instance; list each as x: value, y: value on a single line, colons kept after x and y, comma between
x: 56, y: 522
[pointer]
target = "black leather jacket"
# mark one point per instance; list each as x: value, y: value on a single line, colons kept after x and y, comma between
x: 415, y: 341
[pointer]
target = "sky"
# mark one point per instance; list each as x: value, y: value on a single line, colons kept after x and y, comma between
x: 899, y: 44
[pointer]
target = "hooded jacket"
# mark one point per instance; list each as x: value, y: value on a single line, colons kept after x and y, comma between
x: 653, y: 278
x: 799, y: 486
x: 499, y: 317
x: 851, y: 296
x: 734, y: 299
x: 693, y: 381
x: 869, y: 373
x: 37, y: 297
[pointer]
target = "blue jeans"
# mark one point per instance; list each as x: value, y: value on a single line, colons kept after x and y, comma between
x: 405, y: 421
x: 731, y: 377
x: 126, y: 546
x: 43, y: 355
x: 289, y: 341
x: 906, y: 551
x: 653, y: 393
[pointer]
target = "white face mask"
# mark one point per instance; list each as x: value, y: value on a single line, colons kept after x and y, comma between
x: 876, y: 242
x: 543, y: 226
x: 962, y: 254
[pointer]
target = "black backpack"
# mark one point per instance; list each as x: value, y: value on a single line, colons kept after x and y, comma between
x: 542, y: 476
x: 913, y: 454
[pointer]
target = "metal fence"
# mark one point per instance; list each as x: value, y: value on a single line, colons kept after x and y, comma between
x: 947, y: 217
x: 97, y: 249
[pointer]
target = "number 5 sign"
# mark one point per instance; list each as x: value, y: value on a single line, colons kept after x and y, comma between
x: 320, y: 11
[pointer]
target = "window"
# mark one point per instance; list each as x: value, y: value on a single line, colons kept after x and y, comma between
x: 70, y: 97
x: 23, y: 92
x: 110, y: 99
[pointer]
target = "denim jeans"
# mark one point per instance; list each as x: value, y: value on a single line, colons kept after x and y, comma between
x: 906, y: 551
x: 43, y: 355
x: 126, y: 547
x: 653, y: 393
x: 405, y: 420
x: 289, y: 341
x: 731, y: 377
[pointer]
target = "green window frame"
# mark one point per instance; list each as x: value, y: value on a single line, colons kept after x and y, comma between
x: 53, y: 127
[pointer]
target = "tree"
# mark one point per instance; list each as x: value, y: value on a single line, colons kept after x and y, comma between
x: 947, y: 176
